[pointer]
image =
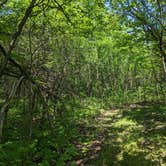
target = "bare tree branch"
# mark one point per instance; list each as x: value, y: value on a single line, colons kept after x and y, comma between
x: 7, y: 54
x: 20, y: 27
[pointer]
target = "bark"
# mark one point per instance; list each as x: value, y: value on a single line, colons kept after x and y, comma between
x: 7, y: 54
x: 164, y: 65
x: 20, y: 26
x: 2, y: 118
x: 4, y: 107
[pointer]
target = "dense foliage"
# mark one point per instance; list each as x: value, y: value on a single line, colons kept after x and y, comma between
x: 61, y: 61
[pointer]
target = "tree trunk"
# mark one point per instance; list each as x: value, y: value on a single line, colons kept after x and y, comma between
x: 164, y: 65
x: 4, y: 109
x: 2, y: 119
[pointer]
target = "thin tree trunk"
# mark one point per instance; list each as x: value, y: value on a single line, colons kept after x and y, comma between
x: 3, y: 110
x: 164, y: 65
x: 2, y: 119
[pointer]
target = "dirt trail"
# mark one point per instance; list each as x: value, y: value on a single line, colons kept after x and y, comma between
x: 132, y: 135
x: 105, y: 122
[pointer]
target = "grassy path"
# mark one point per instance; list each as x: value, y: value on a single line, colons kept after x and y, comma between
x: 133, y: 136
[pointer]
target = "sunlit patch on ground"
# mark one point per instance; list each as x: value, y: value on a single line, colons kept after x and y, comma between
x: 133, y: 136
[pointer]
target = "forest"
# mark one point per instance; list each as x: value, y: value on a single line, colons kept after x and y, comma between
x: 82, y: 82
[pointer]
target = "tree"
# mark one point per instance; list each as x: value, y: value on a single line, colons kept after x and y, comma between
x: 150, y: 16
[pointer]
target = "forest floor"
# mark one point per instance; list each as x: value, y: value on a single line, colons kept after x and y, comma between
x: 86, y: 135
x: 134, y: 135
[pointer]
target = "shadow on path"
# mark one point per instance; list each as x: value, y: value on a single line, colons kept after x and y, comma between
x: 128, y: 137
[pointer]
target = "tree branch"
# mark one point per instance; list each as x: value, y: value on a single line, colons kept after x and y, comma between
x: 62, y: 10
x: 7, y: 54
x: 20, y: 26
